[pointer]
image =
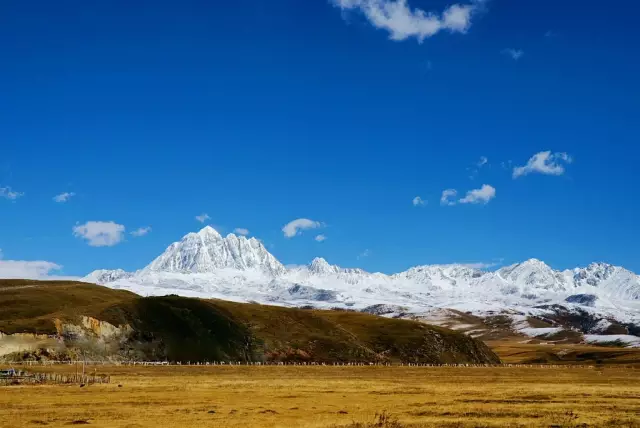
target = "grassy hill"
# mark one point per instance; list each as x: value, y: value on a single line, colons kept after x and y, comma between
x: 31, y: 306
x: 516, y: 352
x: 185, y: 329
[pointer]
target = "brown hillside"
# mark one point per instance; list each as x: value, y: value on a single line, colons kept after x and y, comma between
x: 184, y: 329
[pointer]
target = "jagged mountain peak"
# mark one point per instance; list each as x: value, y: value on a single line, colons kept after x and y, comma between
x: 209, y: 232
x: 533, y: 262
x: 242, y: 268
x: 602, y: 270
x: 531, y: 265
x: 207, y: 251
x: 104, y: 276
x: 321, y: 266
x: 531, y: 275
x: 446, y: 275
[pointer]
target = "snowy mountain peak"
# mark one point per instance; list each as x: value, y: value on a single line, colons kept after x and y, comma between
x: 104, y: 276
x: 233, y: 267
x: 207, y: 251
x: 209, y: 232
x: 442, y: 275
x: 531, y: 275
x: 322, y: 267
x: 602, y: 270
x: 536, y: 263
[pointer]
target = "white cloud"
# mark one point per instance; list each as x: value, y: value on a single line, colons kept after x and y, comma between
x: 19, y: 269
x: 320, y: 238
x: 515, y: 54
x: 544, y: 163
x: 100, y: 233
x: 479, y: 196
x: 294, y: 227
x: 203, y: 217
x: 364, y: 254
x: 401, y: 22
x: 418, y: 201
x: 241, y: 231
x: 446, y: 197
x: 7, y: 193
x: 13, y: 269
x: 294, y: 266
x: 475, y: 170
x: 141, y: 231
x: 63, y: 197
x: 482, y: 265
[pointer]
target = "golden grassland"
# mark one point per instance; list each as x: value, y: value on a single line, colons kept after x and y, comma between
x: 513, y: 351
x: 332, y: 397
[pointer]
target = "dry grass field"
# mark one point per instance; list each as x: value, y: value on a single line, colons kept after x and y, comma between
x: 332, y: 397
x: 515, y: 352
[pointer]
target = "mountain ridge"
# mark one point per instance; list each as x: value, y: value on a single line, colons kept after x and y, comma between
x: 205, y: 264
x: 207, y: 251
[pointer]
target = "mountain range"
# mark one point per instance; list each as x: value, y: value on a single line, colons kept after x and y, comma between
x: 208, y: 265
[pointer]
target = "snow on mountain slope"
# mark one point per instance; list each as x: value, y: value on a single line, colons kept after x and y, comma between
x: 205, y: 264
x: 103, y: 276
x: 207, y: 251
x: 532, y: 276
x: 615, y: 281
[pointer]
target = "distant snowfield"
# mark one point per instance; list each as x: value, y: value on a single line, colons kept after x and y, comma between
x: 206, y: 265
x: 540, y: 332
x: 631, y: 341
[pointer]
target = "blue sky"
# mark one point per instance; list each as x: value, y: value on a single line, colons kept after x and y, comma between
x: 259, y: 113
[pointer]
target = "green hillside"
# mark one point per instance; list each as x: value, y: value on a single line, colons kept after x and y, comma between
x: 185, y: 329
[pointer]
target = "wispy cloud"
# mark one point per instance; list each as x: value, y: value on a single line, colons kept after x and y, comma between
x: 419, y: 202
x: 366, y: 253
x: 7, y: 193
x: 100, y: 233
x: 547, y: 163
x: 482, y: 265
x: 515, y: 54
x: 447, y: 197
x: 320, y: 238
x: 402, y: 22
x: 475, y: 170
x: 241, y: 231
x: 296, y: 227
x: 294, y: 266
x: 63, y: 197
x: 203, y: 217
x: 479, y: 196
x: 141, y: 231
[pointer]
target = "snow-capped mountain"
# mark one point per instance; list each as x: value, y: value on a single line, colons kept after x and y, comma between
x: 207, y: 251
x: 103, y: 276
x: 204, y: 264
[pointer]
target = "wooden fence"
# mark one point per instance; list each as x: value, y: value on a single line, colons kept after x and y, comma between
x: 280, y: 363
x: 53, y: 378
